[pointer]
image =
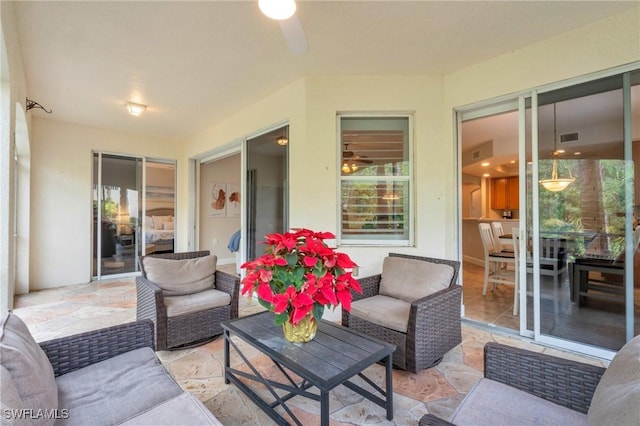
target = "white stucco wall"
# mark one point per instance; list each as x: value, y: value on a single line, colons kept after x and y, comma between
x: 61, y: 152
x: 61, y: 196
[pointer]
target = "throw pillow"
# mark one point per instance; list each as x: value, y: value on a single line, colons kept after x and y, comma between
x: 616, y: 400
x: 168, y: 226
x: 183, y: 276
x: 28, y: 366
x: 411, y: 279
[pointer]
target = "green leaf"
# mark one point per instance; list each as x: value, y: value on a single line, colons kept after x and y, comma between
x: 318, y: 310
x: 264, y: 304
x: 292, y: 259
x: 281, y: 318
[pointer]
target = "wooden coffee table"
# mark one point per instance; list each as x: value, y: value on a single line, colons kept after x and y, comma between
x: 332, y: 358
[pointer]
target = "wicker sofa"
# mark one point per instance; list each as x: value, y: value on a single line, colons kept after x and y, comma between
x: 528, y: 388
x: 103, y: 377
x: 180, y: 319
x: 423, y: 326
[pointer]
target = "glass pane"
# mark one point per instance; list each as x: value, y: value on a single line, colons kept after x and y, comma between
x: 583, y: 209
x: 159, y: 235
x: 375, y: 210
x: 374, y: 146
x: 118, y: 213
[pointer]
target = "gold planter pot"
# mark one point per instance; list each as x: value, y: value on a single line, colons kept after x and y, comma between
x: 303, y: 332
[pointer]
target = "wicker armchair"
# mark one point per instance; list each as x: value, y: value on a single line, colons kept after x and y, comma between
x: 189, y: 329
x: 567, y: 383
x: 433, y: 326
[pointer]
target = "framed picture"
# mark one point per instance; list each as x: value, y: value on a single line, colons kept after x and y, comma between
x: 217, y: 199
x: 233, y: 200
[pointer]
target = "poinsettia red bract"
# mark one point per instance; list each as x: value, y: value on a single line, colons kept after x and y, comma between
x: 299, y: 274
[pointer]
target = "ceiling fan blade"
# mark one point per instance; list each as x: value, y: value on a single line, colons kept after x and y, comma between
x: 294, y: 35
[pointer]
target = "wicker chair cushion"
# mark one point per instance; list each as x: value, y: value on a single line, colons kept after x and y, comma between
x: 116, y: 389
x: 492, y: 403
x: 396, y: 311
x: 616, y: 400
x: 411, y: 279
x: 188, y: 303
x: 181, y: 276
x: 172, y: 412
x: 28, y: 365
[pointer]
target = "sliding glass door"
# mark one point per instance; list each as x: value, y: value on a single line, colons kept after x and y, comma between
x: 133, y: 212
x: 578, y: 147
x: 582, y: 218
x: 117, y: 207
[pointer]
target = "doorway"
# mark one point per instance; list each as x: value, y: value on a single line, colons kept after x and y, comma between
x: 574, y: 225
x: 133, y: 212
x: 267, y: 184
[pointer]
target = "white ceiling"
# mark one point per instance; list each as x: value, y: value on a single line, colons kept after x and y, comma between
x: 195, y: 63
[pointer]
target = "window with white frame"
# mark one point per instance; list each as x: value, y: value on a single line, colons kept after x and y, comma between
x: 375, y: 179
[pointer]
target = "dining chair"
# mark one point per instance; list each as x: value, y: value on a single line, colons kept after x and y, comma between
x: 498, y: 232
x: 496, y: 264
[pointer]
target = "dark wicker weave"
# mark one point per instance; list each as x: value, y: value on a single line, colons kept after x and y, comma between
x: 71, y: 353
x: 434, y: 322
x: 561, y: 381
x: 187, y: 329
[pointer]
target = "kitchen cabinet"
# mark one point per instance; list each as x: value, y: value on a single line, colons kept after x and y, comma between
x: 505, y: 193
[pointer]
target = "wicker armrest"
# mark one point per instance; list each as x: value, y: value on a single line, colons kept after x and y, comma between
x: 431, y: 420
x: 370, y: 287
x: 564, y: 382
x: 229, y: 284
x: 71, y: 353
x: 149, y: 299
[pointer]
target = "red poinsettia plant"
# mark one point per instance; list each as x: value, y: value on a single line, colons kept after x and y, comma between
x: 299, y: 274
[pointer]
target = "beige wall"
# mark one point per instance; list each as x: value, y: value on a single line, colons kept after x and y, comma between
x: 61, y: 195
x: 61, y: 153
x: 215, y: 232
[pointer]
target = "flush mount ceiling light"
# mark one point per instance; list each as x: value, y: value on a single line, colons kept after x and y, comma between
x: 135, y: 109
x: 282, y: 140
x: 277, y: 9
x: 556, y: 184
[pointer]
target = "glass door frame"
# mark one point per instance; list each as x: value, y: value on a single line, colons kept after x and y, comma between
x: 488, y: 107
x: 98, y: 235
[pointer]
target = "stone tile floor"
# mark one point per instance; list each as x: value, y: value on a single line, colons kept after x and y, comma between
x: 439, y: 390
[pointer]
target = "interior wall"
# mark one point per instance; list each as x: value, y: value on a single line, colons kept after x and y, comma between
x: 602, y: 45
x: 61, y: 194
x: 215, y: 232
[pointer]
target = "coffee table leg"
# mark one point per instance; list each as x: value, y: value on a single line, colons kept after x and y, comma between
x: 389, y: 383
x: 324, y: 408
x: 227, y: 363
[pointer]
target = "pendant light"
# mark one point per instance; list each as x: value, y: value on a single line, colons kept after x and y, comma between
x: 556, y: 184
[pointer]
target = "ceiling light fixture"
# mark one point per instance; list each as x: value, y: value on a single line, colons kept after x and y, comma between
x: 135, y: 109
x: 282, y: 140
x: 277, y: 9
x: 556, y: 184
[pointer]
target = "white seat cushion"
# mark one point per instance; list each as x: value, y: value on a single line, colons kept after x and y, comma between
x: 181, y: 276
x: 490, y: 403
x: 180, y: 305
x: 411, y: 279
x: 396, y: 311
x: 184, y: 409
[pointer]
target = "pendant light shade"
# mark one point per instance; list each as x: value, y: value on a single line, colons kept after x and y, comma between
x: 556, y: 184
x: 277, y: 9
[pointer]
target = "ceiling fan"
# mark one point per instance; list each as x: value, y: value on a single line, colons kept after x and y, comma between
x: 349, y: 155
x: 283, y: 11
